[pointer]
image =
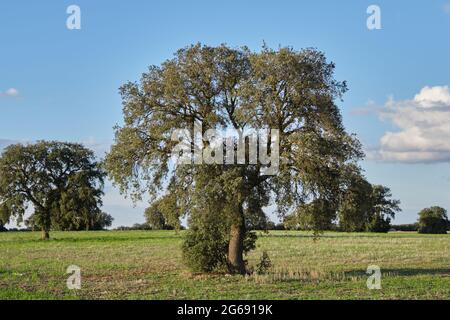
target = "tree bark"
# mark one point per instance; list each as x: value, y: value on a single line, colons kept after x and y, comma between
x: 236, y: 262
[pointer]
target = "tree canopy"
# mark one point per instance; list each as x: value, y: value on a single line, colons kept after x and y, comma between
x: 74, y: 220
x: 158, y: 216
x: 60, y: 180
x: 361, y: 207
x: 364, y: 206
x: 433, y: 220
x: 291, y: 91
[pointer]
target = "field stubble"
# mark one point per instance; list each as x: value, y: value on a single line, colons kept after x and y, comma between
x: 148, y: 265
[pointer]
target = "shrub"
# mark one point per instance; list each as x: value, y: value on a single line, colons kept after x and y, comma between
x: 264, y: 264
x: 205, y: 247
x: 206, y: 243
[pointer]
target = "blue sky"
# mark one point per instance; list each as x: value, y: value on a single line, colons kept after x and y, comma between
x: 63, y: 84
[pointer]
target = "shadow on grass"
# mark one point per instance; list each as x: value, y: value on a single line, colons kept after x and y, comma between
x: 349, y: 235
x: 112, y: 239
x: 407, y: 272
x: 291, y: 276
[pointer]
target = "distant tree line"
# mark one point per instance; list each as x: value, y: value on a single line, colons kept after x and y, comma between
x: 433, y: 220
x: 361, y: 207
x: 68, y: 181
x: 406, y: 227
x: 144, y: 226
x: 136, y: 226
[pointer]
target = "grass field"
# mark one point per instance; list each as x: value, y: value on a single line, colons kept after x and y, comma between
x: 148, y: 265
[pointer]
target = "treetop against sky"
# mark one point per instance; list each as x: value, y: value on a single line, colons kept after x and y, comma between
x: 59, y: 83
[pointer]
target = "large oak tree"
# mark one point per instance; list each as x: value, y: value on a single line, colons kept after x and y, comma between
x: 222, y: 87
x: 58, y: 179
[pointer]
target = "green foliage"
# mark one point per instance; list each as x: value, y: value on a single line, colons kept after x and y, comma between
x: 433, y: 220
x: 406, y: 227
x: 360, y: 207
x: 355, y: 208
x: 207, y: 240
x: 205, y: 247
x: 365, y: 207
x: 96, y: 220
x: 264, y: 264
x: 62, y: 181
x: 382, y: 203
x: 100, y: 220
x: 222, y: 87
x: 4, y: 217
x: 379, y: 224
x: 317, y: 215
x: 155, y: 219
x: 270, y: 225
x: 160, y: 214
x: 290, y: 222
x: 136, y: 226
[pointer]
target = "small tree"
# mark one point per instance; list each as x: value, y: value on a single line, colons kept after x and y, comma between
x: 363, y: 206
x: 383, y: 209
x: 160, y: 217
x: 100, y: 221
x: 433, y: 220
x: 56, y: 178
x: 154, y: 218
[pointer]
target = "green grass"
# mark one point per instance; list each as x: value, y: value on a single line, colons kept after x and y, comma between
x: 148, y: 265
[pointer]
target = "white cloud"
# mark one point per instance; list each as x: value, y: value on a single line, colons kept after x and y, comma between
x: 430, y: 96
x: 11, y: 92
x: 424, y: 128
x: 447, y: 8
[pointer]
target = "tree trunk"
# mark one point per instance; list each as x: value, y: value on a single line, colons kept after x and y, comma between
x: 45, y: 234
x: 236, y: 262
